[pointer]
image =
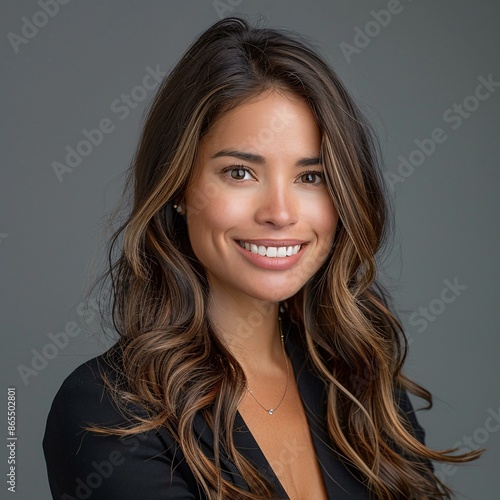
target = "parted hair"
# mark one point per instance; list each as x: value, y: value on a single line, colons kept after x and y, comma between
x: 174, y: 364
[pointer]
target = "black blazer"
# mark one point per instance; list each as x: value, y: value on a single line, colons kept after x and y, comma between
x: 150, y: 465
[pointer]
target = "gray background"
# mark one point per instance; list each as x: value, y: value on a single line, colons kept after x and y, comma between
x: 426, y: 59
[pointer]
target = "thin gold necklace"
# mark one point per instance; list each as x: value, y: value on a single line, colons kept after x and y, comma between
x: 272, y: 410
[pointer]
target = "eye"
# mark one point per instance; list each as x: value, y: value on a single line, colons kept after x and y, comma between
x: 312, y: 177
x: 238, y: 173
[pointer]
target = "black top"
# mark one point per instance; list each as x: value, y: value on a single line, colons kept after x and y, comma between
x: 84, y: 465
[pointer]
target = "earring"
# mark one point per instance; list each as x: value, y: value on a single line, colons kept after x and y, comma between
x: 178, y: 208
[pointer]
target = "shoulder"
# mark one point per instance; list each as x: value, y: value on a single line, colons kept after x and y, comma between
x: 83, y: 398
x: 81, y: 463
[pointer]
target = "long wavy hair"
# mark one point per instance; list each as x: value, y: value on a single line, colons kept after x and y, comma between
x: 173, y: 363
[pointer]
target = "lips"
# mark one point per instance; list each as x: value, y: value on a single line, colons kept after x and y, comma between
x: 275, y: 255
x: 273, y: 251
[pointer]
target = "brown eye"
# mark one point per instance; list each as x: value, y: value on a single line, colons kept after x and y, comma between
x: 238, y: 173
x: 311, y: 178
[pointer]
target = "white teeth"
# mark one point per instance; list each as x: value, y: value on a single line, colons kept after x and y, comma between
x: 270, y: 251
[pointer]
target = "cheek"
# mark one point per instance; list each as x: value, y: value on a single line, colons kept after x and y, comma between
x: 213, y: 208
x: 208, y: 223
x: 322, y: 217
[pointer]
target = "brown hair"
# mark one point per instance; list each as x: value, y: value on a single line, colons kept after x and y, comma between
x: 174, y: 364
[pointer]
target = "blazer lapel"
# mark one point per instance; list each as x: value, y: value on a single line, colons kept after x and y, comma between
x: 246, y: 444
x: 248, y: 447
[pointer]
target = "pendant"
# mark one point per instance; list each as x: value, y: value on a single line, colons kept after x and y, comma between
x: 271, y: 411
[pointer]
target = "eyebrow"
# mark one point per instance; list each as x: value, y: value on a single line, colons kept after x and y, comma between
x: 255, y: 158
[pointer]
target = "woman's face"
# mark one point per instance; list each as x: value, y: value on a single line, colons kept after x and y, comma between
x: 259, y: 216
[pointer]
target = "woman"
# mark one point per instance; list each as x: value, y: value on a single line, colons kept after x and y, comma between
x: 257, y: 357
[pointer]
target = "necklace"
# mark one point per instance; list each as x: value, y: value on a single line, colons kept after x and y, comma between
x: 272, y: 410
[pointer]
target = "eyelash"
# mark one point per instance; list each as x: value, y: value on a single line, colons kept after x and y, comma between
x: 226, y: 172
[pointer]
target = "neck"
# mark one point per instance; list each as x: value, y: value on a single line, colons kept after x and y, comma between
x: 250, y: 330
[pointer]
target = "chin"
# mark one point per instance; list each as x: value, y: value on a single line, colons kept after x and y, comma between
x: 274, y: 294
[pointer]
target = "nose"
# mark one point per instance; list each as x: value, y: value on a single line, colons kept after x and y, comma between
x: 277, y: 206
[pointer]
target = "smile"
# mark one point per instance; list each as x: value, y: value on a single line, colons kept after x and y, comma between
x: 269, y: 251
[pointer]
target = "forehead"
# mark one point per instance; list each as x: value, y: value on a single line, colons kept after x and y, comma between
x: 267, y: 123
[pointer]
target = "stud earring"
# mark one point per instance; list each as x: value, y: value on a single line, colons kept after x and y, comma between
x: 178, y: 208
